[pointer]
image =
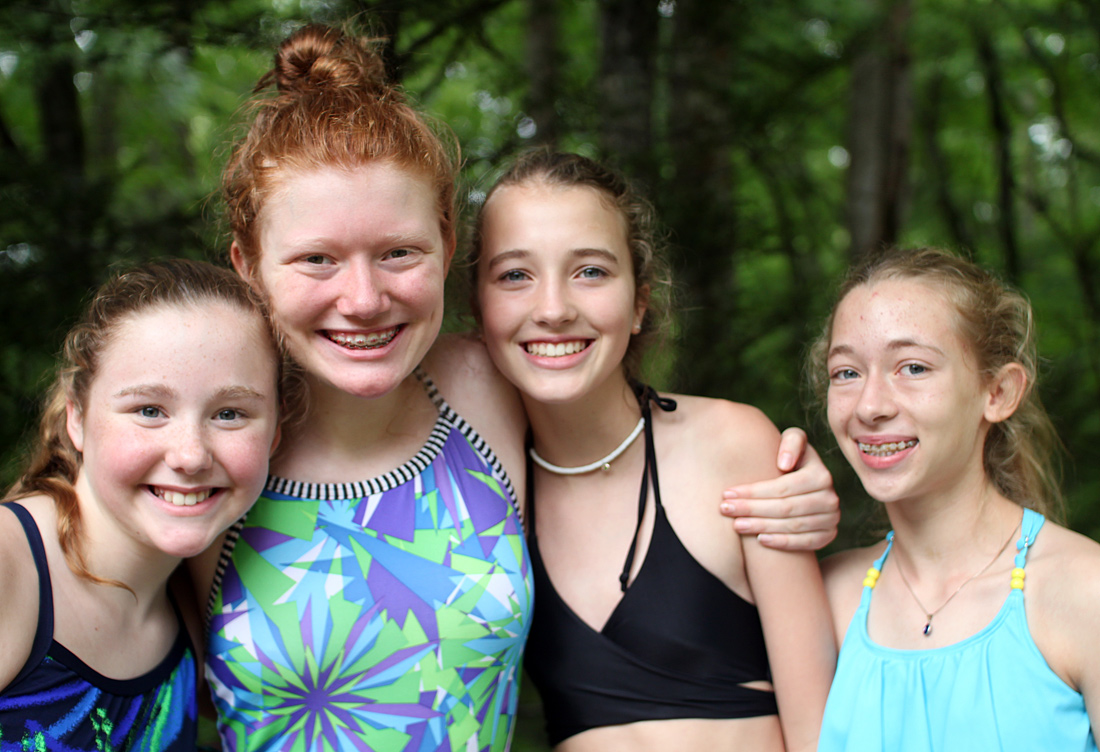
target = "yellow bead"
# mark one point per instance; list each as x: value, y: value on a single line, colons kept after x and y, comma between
x: 871, y: 578
x: 1017, y: 584
x: 1018, y: 574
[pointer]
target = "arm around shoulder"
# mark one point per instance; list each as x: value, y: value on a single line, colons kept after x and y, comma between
x: 789, y: 595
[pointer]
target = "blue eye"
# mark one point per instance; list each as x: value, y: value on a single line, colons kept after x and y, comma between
x: 399, y: 253
x: 914, y: 369
x: 845, y: 374
x: 229, y: 414
x: 513, y: 275
x: 150, y: 412
x: 592, y: 272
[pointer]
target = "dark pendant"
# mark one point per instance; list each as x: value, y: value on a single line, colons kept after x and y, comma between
x: 928, y: 628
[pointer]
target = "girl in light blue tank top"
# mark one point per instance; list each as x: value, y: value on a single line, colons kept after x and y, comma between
x: 992, y: 690
x: 928, y: 366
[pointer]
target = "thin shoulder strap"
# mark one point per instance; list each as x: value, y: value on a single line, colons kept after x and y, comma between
x: 44, y: 633
x: 645, y: 395
x: 1030, y: 526
x: 528, y: 442
x: 871, y: 578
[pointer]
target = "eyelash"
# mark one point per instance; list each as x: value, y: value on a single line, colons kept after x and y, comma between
x: 599, y: 272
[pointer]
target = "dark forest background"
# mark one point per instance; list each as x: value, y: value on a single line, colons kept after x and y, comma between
x: 779, y: 140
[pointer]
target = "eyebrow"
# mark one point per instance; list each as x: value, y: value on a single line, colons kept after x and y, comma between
x: 576, y: 253
x: 158, y: 391
x: 894, y: 344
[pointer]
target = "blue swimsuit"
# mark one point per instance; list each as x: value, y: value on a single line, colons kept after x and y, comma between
x: 58, y: 703
x: 992, y: 690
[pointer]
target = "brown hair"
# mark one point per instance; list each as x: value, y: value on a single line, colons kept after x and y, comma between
x: 644, y: 238
x: 331, y: 108
x: 1020, y: 452
x: 55, y: 463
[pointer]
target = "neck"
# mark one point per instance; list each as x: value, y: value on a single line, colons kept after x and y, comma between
x: 949, y: 532
x: 111, y: 555
x: 582, y: 431
x: 343, y: 423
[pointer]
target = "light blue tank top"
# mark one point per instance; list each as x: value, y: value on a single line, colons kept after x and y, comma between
x: 990, y: 691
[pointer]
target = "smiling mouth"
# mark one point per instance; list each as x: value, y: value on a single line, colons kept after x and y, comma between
x: 182, y: 499
x: 556, y: 349
x: 887, y: 449
x: 371, y: 341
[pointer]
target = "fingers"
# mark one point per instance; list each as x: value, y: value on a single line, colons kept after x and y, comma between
x: 797, y: 541
x: 792, y: 445
x: 806, y: 481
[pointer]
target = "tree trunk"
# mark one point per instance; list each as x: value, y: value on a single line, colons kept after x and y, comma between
x: 628, y: 47
x: 879, y: 134
x: 543, y: 69
x: 698, y: 201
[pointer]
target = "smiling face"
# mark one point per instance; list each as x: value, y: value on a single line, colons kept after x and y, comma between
x: 177, y: 426
x: 352, y: 263
x: 556, y: 290
x: 905, y: 400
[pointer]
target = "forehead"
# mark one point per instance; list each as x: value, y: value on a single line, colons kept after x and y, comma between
x: 893, y: 309
x: 185, y: 335
x: 329, y: 194
x: 563, y: 213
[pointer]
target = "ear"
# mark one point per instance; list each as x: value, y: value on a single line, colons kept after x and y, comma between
x: 449, y: 252
x: 240, y: 263
x: 275, y: 440
x: 1005, y: 391
x: 641, y: 305
x: 74, y: 424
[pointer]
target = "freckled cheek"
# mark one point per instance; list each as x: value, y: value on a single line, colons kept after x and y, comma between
x: 119, y: 458
x: 246, y: 459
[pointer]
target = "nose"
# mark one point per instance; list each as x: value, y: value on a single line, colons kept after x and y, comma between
x: 553, y: 304
x: 189, y: 452
x: 876, y: 400
x: 363, y: 293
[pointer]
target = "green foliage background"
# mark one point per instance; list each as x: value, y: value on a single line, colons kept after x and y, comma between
x: 115, y: 116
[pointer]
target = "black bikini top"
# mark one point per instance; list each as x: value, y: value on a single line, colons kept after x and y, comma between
x: 679, y: 644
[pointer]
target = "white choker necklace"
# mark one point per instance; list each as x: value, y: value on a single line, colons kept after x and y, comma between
x: 604, y: 463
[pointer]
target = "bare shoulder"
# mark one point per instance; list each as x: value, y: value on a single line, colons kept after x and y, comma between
x: 1063, y: 574
x: 844, y: 573
x: 461, y: 368
x: 18, y: 593
x: 730, y: 435
x: 1062, y: 601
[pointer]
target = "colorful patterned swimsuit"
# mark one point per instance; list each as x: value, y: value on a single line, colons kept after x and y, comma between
x: 59, y: 703
x: 389, y: 614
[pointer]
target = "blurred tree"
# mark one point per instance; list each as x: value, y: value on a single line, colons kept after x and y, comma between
x: 777, y: 139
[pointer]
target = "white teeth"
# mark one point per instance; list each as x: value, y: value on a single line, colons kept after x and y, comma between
x: 885, y: 450
x: 364, y: 341
x: 181, y: 499
x: 549, y: 350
